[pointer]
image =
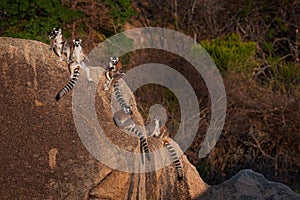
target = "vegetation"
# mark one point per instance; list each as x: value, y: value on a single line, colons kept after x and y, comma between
x: 31, y: 19
x: 230, y: 53
x: 121, y: 11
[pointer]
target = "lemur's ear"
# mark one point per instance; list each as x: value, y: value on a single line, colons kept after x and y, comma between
x: 111, y: 58
x: 80, y: 41
x: 73, y: 41
x: 59, y: 30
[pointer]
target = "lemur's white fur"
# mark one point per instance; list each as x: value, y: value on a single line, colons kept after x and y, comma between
x: 78, y: 59
x: 52, y: 36
x: 160, y: 131
x: 59, y: 45
x: 113, y: 72
x: 156, y: 131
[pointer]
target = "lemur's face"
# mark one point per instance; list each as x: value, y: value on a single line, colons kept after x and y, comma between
x: 53, y: 33
x: 77, y: 42
x: 127, y: 110
x: 56, y: 31
x: 114, y: 60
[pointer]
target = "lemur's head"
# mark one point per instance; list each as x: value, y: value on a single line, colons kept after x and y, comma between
x: 114, y: 60
x: 54, y: 33
x: 127, y: 110
x: 51, y: 35
x: 77, y: 42
x: 57, y: 31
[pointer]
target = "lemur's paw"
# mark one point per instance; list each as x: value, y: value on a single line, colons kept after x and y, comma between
x: 105, y: 88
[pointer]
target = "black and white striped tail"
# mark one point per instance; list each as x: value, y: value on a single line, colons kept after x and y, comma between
x: 143, y: 140
x: 69, y: 86
x: 119, y: 97
x: 175, y: 159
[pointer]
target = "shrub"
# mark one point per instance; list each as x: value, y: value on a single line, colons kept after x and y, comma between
x: 230, y: 53
x: 31, y: 19
x: 120, y: 12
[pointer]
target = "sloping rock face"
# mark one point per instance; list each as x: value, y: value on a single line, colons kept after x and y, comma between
x: 248, y: 184
x: 42, y: 156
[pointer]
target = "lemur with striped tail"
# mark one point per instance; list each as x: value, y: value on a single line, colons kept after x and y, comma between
x: 113, y: 72
x: 52, y: 36
x: 70, y: 85
x: 59, y: 45
x: 124, y: 120
x: 163, y: 135
x: 78, y: 58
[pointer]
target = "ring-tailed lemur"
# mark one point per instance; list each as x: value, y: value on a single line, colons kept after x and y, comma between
x: 113, y: 72
x: 163, y: 135
x: 123, y: 119
x: 52, y: 36
x: 59, y: 45
x: 78, y: 59
x: 70, y: 85
x: 120, y: 99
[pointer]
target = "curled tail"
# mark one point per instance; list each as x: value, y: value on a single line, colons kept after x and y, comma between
x: 175, y: 160
x: 69, y: 86
x: 143, y: 140
x: 120, y: 99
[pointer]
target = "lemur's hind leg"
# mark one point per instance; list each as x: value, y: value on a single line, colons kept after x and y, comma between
x: 112, y: 79
x: 108, y: 84
x: 87, y: 71
x: 58, y: 52
x: 108, y: 81
x: 67, y: 51
x: 72, y: 66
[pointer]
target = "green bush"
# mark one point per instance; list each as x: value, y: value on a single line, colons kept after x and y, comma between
x: 286, y: 75
x: 230, y: 53
x: 120, y: 11
x: 31, y: 19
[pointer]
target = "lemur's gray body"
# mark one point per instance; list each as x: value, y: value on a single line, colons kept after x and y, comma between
x: 78, y: 58
x: 59, y: 45
x: 122, y: 118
